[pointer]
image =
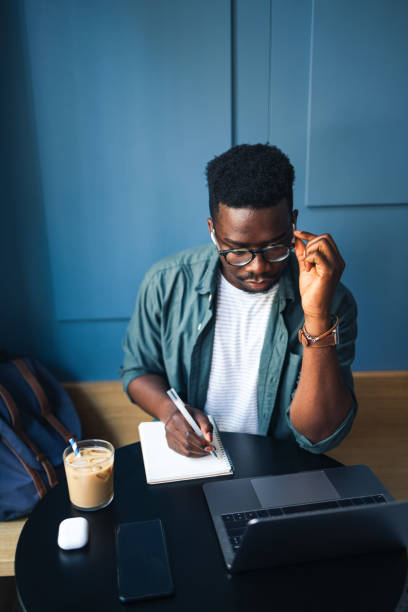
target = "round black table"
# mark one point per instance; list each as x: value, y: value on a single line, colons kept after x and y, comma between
x: 50, y: 579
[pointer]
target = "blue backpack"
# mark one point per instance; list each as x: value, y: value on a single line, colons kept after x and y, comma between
x: 37, y: 419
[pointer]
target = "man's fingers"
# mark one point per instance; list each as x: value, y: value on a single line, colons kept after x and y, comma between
x: 313, y: 239
x: 315, y: 253
x: 331, y: 255
x: 322, y: 264
x: 185, y: 444
x: 186, y: 432
x: 304, y: 235
x: 185, y: 450
x: 323, y: 243
x: 183, y: 439
x: 204, y: 424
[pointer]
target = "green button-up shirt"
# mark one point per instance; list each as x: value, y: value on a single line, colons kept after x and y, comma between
x: 171, y: 334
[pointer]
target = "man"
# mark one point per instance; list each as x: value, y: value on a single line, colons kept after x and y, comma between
x: 220, y: 323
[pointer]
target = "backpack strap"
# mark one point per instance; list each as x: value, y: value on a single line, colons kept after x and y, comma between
x: 18, y: 428
x: 37, y: 480
x: 42, y: 399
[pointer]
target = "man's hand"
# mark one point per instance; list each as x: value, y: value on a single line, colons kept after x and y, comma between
x: 320, y: 269
x: 150, y: 393
x: 182, y: 438
x: 322, y: 400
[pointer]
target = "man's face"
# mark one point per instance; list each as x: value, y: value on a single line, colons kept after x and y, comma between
x: 255, y: 229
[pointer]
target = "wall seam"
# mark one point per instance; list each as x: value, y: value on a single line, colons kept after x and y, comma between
x: 309, y: 109
x: 269, y: 76
x: 233, y: 72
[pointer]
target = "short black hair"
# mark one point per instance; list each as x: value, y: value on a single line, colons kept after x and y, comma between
x: 250, y: 176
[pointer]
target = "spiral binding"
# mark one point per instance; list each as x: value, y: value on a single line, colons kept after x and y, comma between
x: 224, y: 455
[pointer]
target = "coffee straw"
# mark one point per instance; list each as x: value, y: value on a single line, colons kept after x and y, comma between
x: 75, y: 448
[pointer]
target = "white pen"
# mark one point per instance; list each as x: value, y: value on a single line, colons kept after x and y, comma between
x: 178, y: 402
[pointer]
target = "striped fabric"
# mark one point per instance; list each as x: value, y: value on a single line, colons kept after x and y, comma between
x: 241, y: 321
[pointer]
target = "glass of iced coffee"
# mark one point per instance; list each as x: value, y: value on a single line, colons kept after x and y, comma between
x: 90, y: 474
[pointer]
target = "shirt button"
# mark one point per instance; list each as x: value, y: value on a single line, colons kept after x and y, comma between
x: 210, y: 298
x: 199, y: 326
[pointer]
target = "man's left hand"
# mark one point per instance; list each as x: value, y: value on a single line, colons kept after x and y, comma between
x: 320, y: 269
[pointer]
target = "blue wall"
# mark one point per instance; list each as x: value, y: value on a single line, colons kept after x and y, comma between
x: 110, y: 112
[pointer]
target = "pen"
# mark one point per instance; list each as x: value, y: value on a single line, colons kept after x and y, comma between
x: 178, y: 402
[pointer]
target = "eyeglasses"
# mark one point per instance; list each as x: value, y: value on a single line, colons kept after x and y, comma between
x: 243, y: 256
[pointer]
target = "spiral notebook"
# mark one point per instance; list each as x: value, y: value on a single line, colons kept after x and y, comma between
x: 165, y: 465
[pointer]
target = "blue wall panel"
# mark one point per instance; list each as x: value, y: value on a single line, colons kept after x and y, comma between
x: 358, y: 103
x: 131, y: 100
x: 110, y: 111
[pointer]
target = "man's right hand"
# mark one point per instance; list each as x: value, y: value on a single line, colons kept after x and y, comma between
x: 183, y: 439
x: 149, y: 392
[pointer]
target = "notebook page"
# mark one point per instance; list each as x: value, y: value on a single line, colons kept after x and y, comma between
x: 165, y: 465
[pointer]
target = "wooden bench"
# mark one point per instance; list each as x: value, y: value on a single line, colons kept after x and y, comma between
x: 378, y: 439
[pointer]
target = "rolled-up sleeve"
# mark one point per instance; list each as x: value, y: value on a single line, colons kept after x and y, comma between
x: 142, y: 344
x: 346, y: 309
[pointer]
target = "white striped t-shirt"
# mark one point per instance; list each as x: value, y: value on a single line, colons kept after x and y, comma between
x: 240, y: 325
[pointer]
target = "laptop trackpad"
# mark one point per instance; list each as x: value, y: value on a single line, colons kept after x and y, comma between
x: 291, y: 489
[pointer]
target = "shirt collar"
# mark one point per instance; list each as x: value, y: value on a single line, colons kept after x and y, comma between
x: 208, y: 280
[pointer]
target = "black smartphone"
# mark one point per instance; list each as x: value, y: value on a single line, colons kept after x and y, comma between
x: 142, y: 561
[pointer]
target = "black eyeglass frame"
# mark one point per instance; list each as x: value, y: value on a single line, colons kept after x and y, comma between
x: 225, y: 252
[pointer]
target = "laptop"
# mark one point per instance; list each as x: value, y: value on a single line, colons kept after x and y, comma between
x: 295, y: 518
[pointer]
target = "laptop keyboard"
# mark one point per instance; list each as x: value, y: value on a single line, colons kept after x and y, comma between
x: 235, y: 523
